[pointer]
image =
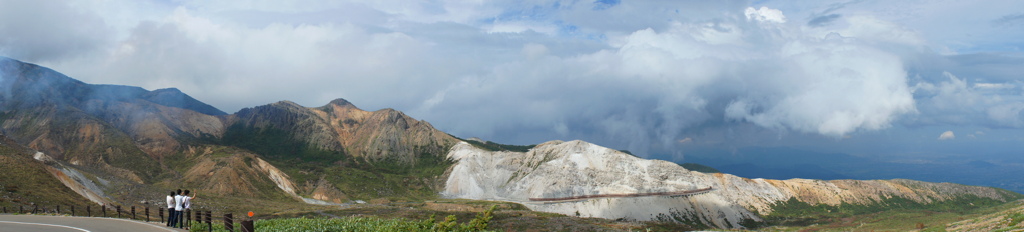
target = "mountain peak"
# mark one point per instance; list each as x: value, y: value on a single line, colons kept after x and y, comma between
x: 34, y: 85
x: 342, y: 102
x: 176, y: 98
x: 169, y: 90
x: 287, y: 104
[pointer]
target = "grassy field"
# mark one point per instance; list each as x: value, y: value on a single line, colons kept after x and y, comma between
x: 916, y: 219
x: 506, y: 216
x: 1009, y: 218
x: 368, y: 223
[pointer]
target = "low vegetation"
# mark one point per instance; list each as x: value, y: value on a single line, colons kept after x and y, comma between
x: 356, y: 178
x: 367, y: 223
x: 700, y: 168
x: 275, y: 143
x: 492, y: 146
x: 505, y: 216
x: 894, y: 214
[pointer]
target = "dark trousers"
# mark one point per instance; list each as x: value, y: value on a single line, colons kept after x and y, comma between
x: 179, y: 218
x: 170, y: 216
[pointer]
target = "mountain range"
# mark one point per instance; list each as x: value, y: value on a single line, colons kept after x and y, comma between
x: 121, y: 145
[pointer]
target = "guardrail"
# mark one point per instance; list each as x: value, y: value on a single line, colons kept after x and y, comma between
x: 585, y: 197
x: 141, y: 213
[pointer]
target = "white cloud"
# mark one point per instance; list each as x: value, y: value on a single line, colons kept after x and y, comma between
x: 765, y: 14
x: 49, y: 30
x: 994, y: 86
x: 230, y: 65
x: 637, y: 74
x: 951, y: 27
x: 947, y: 135
x: 956, y: 102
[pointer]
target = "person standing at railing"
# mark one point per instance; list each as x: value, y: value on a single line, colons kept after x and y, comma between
x: 170, y: 208
x: 178, y: 209
x: 187, y: 203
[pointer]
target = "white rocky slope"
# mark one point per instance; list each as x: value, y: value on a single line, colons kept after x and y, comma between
x: 74, y: 179
x: 564, y: 169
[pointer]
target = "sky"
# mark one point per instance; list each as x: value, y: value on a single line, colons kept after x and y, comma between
x: 906, y: 79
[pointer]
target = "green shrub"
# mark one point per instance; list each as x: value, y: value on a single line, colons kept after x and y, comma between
x: 1015, y: 218
x: 699, y: 168
x: 492, y: 146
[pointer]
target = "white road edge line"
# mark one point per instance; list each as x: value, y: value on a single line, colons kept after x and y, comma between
x: 144, y: 223
x: 44, y: 224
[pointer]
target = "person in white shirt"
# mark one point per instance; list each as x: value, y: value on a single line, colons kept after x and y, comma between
x: 170, y: 208
x: 178, y: 208
x: 187, y: 202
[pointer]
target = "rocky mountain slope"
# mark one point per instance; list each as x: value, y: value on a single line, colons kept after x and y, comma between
x: 144, y: 142
x: 125, y: 145
x: 565, y: 169
x: 122, y: 131
x: 27, y: 178
x: 341, y: 127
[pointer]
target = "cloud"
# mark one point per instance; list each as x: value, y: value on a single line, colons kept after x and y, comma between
x: 64, y: 32
x: 653, y: 85
x: 640, y: 75
x: 823, y: 20
x: 833, y: 73
x: 1009, y: 20
x: 955, y: 102
x: 994, y: 86
x: 765, y: 14
x: 227, y: 65
x: 951, y: 27
x: 948, y: 135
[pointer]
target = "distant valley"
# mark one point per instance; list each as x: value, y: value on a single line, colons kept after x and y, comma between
x: 786, y: 163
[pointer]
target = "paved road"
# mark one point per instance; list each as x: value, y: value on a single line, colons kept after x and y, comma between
x: 75, y: 224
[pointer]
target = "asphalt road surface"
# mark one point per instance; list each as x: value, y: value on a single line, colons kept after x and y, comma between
x: 75, y: 224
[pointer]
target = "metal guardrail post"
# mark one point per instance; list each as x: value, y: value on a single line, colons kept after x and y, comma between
x: 35, y: 209
x: 72, y: 210
x: 199, y: 217
x: 118, y: 211
x: 58, y: 209
x: 104, y: 210
x: 88, y: 211
x: 21, y: 209
x: 247, y: 226
x: 147, y: 213
x: 209, y: 220
x: 133, y: 213
x: 228, y: 223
